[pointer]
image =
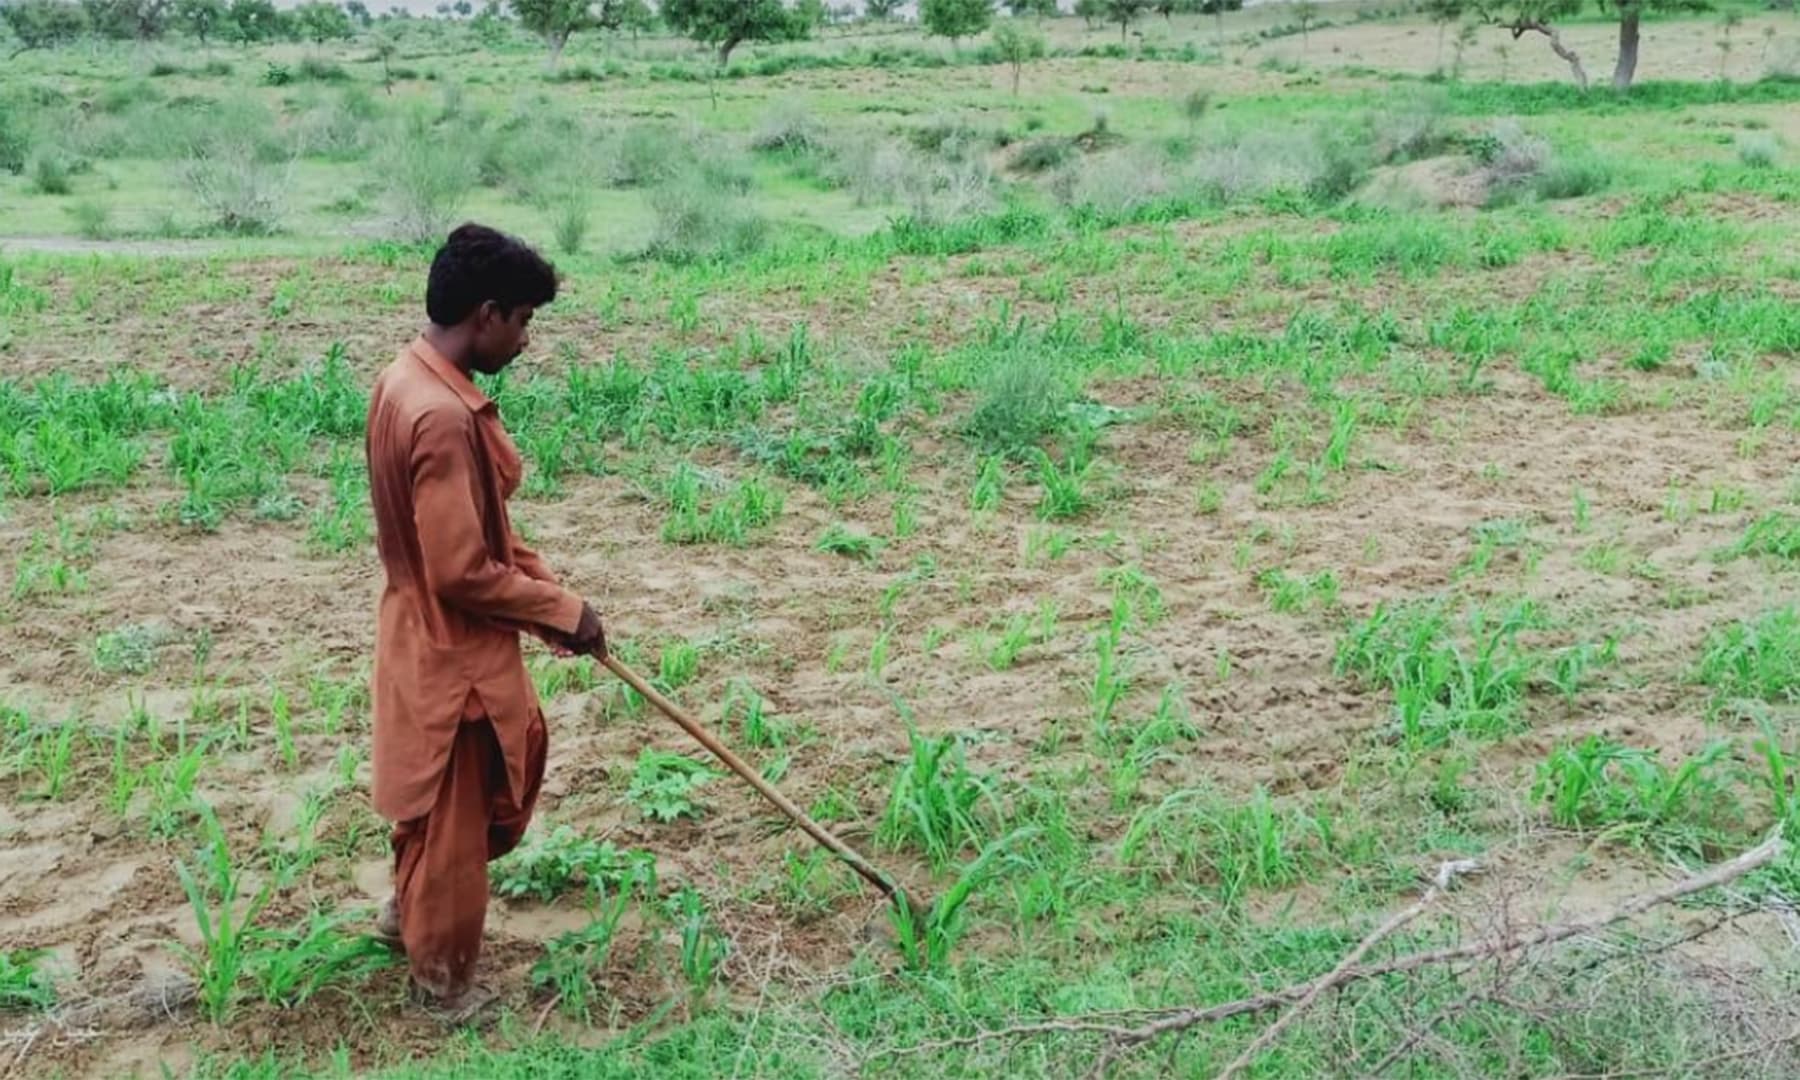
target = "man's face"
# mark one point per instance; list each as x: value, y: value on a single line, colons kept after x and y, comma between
x: 500, y: 336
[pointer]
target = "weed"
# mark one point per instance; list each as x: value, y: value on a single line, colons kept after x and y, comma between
x: 291, y: 966
x: 663, y: 785
x: 573, y: 961
x: 1754, y: 660
x: 839, y: 540
x: 129, y: 650
x: 925, y: 938
x: 549, y: 865
x: 1600, y: 784
x: 1442, y: 686
x: 214, y: 887
x: 938, y: 805
x: 703, y: 947
x: 24, y: 982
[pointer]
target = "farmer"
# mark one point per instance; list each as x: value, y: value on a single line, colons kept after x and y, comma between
x: 459, y: 738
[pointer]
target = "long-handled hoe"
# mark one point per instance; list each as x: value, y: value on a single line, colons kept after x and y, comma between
x: 914, y: 909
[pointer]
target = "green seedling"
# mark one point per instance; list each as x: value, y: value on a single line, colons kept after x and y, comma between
x: 664, y: 785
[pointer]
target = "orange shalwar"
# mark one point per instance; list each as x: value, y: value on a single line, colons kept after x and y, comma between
x: 459, y: 735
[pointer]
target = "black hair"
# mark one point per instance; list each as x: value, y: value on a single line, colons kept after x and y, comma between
x: 478, y: 264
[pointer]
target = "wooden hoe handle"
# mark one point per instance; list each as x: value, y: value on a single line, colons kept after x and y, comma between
x: 750, y: 776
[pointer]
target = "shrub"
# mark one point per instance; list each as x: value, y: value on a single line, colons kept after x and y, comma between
x: 92, y: 218
x: 1319, y: 161
x: 1117, y: 182
x: 239, y: 193
x: 1517, y: 163
x: 939, y: 192
x: 1023, y: 399
x: 570, y: 213
x: 1412, y: 128
x: 868, y: 166
x: 1042, y: 155
x: 52, y: 173
x: 15, y: 142
x: 696, y: 220
x: 788, y: 128
x: 427, y: 174
x: 647, y: 154
x: 1757, y: 149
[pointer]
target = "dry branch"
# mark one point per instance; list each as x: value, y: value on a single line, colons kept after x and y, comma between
x: 1119, y: 1039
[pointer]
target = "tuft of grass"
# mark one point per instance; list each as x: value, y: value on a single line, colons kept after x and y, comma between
x: 1758, y: 149
x: 1628, y: 792
x: 1754, y: 660
x: 938, y: 805
x: 839, y: 540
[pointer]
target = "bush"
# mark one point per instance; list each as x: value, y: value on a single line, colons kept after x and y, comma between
x: 939, y: 192
x: 15, y: 142
x: 1022, y: 400
x: 314, y: 70
x: 697, y: 220
x: 1757, y: 149
x: 427, y: 174
x: 93, y: 219
x: 648, y: 154
x: 1413, y: 128
x: 570, y: 214
x: 1117, y: 182
x: 1319, y: 162
x: 162, y: 69
x: 52, y: 173
x: 239, y: 193
x: 788, y: 128
x: 338, y: 129
x: 1042, y: 155
x: 868, y: 166
x: 1517, y: 163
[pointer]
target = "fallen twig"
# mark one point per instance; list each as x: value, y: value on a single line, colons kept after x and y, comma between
x: 1447, y: 873
x: 1120, y: 1039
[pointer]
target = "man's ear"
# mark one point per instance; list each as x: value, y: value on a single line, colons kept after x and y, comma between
x: 486, y: 315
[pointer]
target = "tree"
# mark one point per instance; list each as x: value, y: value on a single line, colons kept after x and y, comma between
x: 42, y: 24
x: 201, y: 18
x: 1217, y: 9
x: 386, y: 46
x: 1124, y: 12
x: 730, y: 23
x: 1307, y: 13
x: 556, y: 21
x: 1038, y: 8
x: 812, y: 13
x: 633, y: 15
x: 250, y: 21
x: 125, y: 20
x: 1521, y: 17
x: 1442, y: 13
x: 359, y: 13
x: 1016, y: 45
x: 881, y: 10
x: 956, y: 19
x: 320, y: 22
x: 1168, y: 9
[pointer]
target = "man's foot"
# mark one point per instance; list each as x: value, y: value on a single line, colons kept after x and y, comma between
x: 453, y: 1010
x: 387, y: 925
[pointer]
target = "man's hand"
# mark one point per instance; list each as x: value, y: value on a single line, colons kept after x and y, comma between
x: 589, y: 639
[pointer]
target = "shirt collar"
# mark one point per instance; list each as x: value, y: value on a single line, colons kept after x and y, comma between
x: 452, y: 375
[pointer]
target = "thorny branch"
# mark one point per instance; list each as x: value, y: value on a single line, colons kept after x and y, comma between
x: 1118, y: 1039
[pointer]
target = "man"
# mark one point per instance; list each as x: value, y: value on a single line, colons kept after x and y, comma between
x: 459, y: 737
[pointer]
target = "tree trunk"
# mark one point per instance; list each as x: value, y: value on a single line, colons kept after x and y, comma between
x: 557, y: 42
x: 1628, y: 46
x: 1556, y: 46
x: 1219, y: 23
x: 1122, y: 25
x: 725, y: 48
x: 1016, y: 67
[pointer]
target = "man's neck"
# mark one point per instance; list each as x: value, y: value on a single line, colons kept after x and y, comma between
x: 452, y: 345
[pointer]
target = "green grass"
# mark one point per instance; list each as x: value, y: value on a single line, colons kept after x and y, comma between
x: 1159, y: 425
